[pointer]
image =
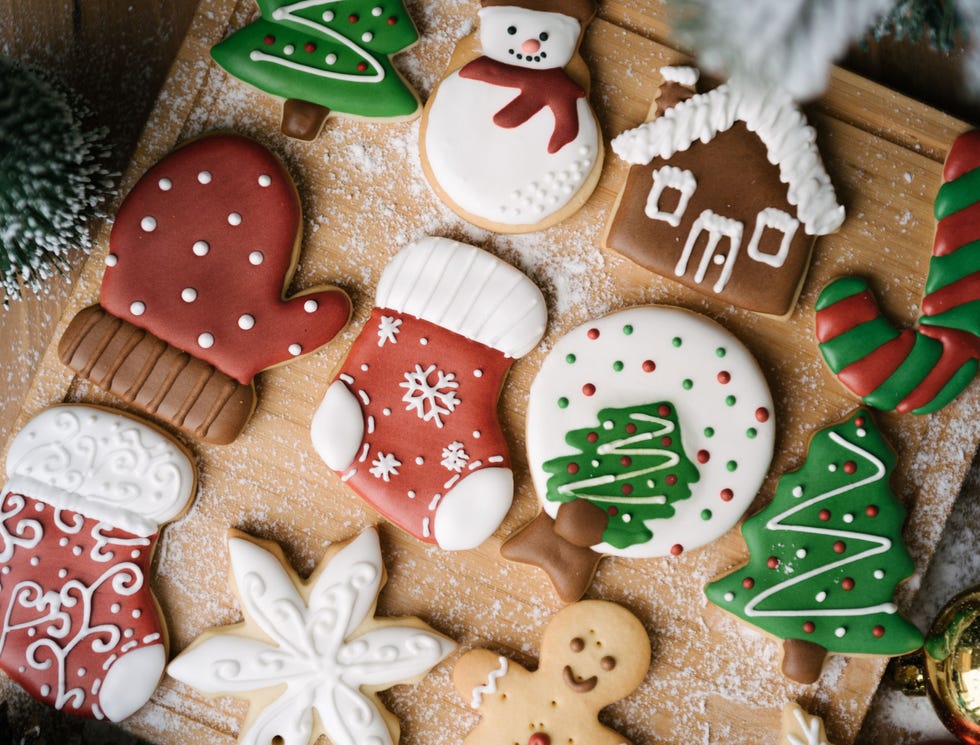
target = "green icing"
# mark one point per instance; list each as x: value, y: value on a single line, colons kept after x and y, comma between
x: 782, y: 600
x: 631, y: 464
x: 854, y: 344
x: 925, y: 353
x: 840, y: 289
x: 959, y: 194
x: 341, y: 64
x: 944, y: 270
x: 965, y: 317
x: 960, y: 380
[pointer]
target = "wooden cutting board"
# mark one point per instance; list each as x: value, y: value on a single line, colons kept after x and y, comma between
x: 712, y: 680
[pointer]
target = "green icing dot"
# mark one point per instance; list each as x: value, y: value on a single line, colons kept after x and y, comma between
x: 627, y: 329
x: 705, y: 515
x: 709, y: 431
x: 731, y: 465
x: 562, y: 403
x: 676, y: 341
x: 721, y: 352
x: 570, y: 359
x: 729, y: 400
x: 688, y: 384
x: 751, y: 433
x: 618, y: 366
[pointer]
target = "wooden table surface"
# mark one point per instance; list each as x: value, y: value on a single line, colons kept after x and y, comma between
x: 106, y: 46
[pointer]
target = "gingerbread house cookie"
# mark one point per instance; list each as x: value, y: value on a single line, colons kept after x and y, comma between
x: 726, y: 193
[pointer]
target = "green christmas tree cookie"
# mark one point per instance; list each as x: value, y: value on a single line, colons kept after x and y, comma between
x: 323, y: 57
x: 826, y: 555
x: 631, y: 465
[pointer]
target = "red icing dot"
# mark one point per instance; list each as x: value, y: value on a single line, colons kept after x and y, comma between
x: 539, y: 738
x: 649, y: 366
x: 847, y: 583
x: 613, y: 510
x: 572, y: 468
x: 269, y: 40
x: 825, y: 515
x: 309, y: 47
x: 859, y: 422
x: 588, y: 389
x: 392, y: 21
x: 809, y: 627
x: 361, y: 66
x: 677, y: 549
x: 626, y: 461
x: 703, y: 456
x: 773, y: 562
x: 748, y: 583
x: 630, y: 428
x: 727, y: 495
x: 665, y: 441
x: 850, y: 467
x: 762, y: 414
x: 671, y: 480
x: 592, y: 437
x: 839, y: 547
x: 663, y: 410
x: 353, y: 18
x: 626, y: 489
x: 593, y: 334
x: 724, y: 377
x: 871, y: 511
x: 878, y: 631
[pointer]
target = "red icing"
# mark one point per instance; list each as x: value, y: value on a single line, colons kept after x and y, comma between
x: 963, y: 156
x: 676, y: 550
x: 593, y: 334
x: 762, y: 415
x: 844, y: 315
x: 850, y: 467
x: 748, y: 583
x: 309, y: 47
x: 154, y: 267
x: 353, y: 18
x: 665, y: 441
x: 957, y: 230
x: 959, y: 347
x: 593, y: 437
x: 964, y: 290
x: 626, y: 489
x: 649, y: 366
x: 724, y: 377
x: 362, y: 67
x: 824, y: 515
x: 613, y: 510
x: 773, y: 562
x: 847, y: 583
x: 878, y: 631
x: 626, y: 461
x: 551, y: 88
x: 392, y: 21
x: 663, y: 410
x: 539, y: 738
x: 269, y: 40
x: 703, y: 456
x: 671, y: 480
x: 859, y: 422
x: 839, y: 547
x: 572, y: 468
x: 588, y: 389
x: 727, y: 495
x: 630, y: 428
x: 871, y: 511
x: 867, y: 374
x: 809, y: 627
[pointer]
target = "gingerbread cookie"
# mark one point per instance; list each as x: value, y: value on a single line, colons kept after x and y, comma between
x: 192, y: 304
x: 726, y: 193
x: 923, y: 370
x: 310, y: 656
x: 800, y: 728
x: 593, y: 653
x: 826, y: 554
x: 87, y: 492
x: 410, y: 422
x: 649, y: 432
x: 326, y: 57
x: 508, y: 139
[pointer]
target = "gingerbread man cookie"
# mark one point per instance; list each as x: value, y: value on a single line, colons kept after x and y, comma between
x: 508, y: 139
x: 592, y: 654
x: 87, y: 492
x: 193, y: 300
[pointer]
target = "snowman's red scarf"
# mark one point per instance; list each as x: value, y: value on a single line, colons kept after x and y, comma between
x: 538, y: 88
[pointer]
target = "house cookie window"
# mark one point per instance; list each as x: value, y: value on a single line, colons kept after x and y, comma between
x: 675, y: 179
x: 717, y: 227
x: 782, y: 222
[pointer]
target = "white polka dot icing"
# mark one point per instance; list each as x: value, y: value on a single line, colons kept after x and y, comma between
x: 255, y: 258
x: 204, y: 177
x: 265, y: 180
x: 201, y: 248
x: 311, y: 306
x: 235, y: 219
x: 111, y: 260
x: 649, y: 355
x: 137, y: 308
x: 246, y: 322
x: 165, y: 184
x: 295, y: 350
x: 148, y: 223
x: 188, y: 294
x: 205, y: 340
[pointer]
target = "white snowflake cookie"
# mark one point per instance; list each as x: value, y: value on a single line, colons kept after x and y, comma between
x: 310, y: 655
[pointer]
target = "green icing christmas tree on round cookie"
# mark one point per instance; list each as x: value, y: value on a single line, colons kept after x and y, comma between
x: 826, y: 555
x: 630, y: 465
x: 323, y: 57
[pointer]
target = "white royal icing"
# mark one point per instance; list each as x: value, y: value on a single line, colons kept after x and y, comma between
x: 777, y: 220
x: 312, y: 650
x: 498, y: 43
x: 670, y: 177
x: 490, y: 687
x: 701, y: 406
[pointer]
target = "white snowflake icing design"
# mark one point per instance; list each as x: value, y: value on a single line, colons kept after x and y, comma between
x: 308, y: 644
x: 385, y: 466
x: 431, y: 401
x: 454, y: 457
x: 388, y: 330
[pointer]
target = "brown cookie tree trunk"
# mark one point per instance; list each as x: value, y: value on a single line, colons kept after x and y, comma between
x: 803, y: 660
x: 301, y: 119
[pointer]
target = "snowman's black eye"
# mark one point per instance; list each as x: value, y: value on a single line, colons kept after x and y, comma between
x: 512, y: 30
x: 543, y: 36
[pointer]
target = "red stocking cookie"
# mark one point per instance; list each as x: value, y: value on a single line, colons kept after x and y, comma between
x: 192, y: 303
x: 87, y: 492
x: 411, y: 422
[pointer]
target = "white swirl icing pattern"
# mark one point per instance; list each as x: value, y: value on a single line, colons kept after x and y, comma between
x: 770, y: 113
x: 490, y: 687
x: 103, y: 465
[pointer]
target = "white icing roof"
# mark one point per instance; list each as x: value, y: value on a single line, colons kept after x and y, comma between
x: 770, y: 113
x: 466, y: 290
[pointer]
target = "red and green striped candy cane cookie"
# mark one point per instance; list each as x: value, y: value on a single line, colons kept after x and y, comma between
x: 917, y: 371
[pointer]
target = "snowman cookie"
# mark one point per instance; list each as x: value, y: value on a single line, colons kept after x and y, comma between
x: 508, y: 138
x: 649, y: 432
x: 593, y: 653
x: 87, y: 491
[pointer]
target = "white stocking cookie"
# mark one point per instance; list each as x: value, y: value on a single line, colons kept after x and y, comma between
x: 650, y: 432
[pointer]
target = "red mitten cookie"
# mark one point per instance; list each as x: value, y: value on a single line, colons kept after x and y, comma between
x: 87, y: 492
x: 411, y: 422
x: 192, y: 303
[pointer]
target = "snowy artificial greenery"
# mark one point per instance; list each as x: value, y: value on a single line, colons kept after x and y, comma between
x: 792, y: 43
x: 52, y: 179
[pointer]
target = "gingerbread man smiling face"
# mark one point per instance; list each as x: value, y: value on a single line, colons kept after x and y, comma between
x: 592, y: 654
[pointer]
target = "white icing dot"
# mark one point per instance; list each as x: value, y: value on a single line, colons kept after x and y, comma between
x: 386, y: 411
x: 21, y: 669
x: 311, y: 306
x: 331, y: 58
x: 115, y: 607
x: 595, y: 464
x: 35, y: 561
x: 134, y: 555
x: 204, y: 177
x: 39, y: 507
x: 797, y: 491
x: 411, y: 494
x: 188, y: 294
x: 376, y: 11
x: 45, y: 689
x: 476, y: 434
x: 626, y: 517
x: 423, y: 341
x: 128, y: 633
x: 5, y: 570
x: 234, y: 219
x: 165, y: 184
x: 821, y: 596
x: 111, y: 260
x: 256, y: 257
x: 149, y: 224
x: 77, y: 551
x: 63, y: 542
x: 801, y: 553
x: 328, y: 16
x: 419, y: 461
x: 719, y: 259
x: 265, y: 180
x: 32, y: 632
x: 288, y: 49
x: 201, y: 248
x: 832, y: 467
x: 137, y: 613
x: 729, y: 597
x: 879, y: 574
x: 607, y: 424
x: 365, y: 368
x: 205, y: 340
x: 861, y: 432
x: 82, y: 672
x: 295, y: 349
x: 478, y: 373
x: 137, y: 308
x: 246, y: 322
x: 62, y: 573
x: 848, y: 517
x: 839, y: 632
x: 367, y: 36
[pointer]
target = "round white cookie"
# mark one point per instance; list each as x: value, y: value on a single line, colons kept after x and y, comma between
x: 712, y: 387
